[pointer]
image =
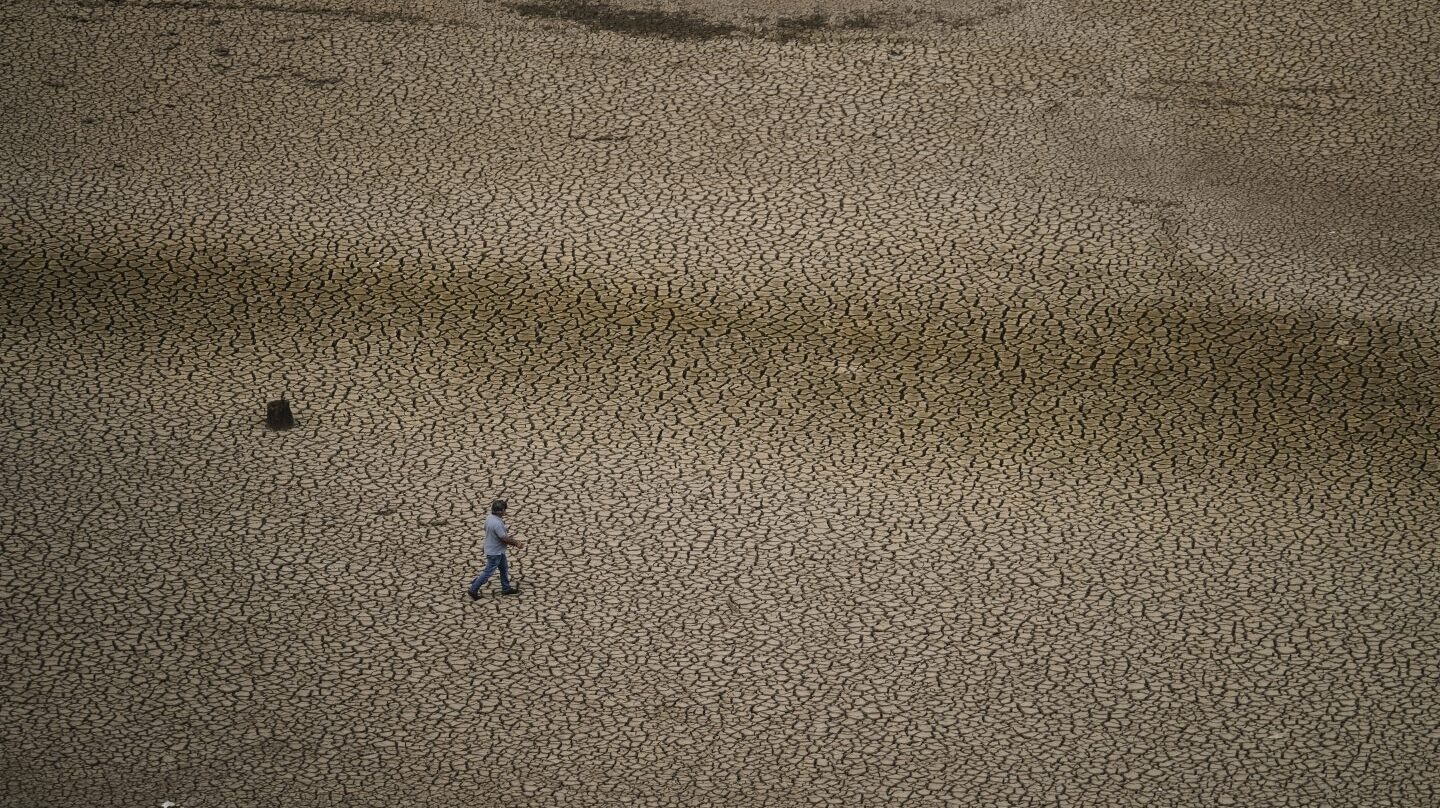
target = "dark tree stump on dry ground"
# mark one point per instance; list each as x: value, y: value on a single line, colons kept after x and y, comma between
x: 278, y: 416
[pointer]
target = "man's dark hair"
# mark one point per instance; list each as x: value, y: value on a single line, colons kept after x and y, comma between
x: 497, y: 507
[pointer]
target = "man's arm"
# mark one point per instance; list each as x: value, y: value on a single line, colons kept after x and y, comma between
x: 509, y: 542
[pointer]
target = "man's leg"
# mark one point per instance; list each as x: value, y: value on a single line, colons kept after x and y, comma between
x: 504, y: 574
x: 491, y: 563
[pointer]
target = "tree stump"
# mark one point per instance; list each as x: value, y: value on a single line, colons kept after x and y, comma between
x: 278, y: 416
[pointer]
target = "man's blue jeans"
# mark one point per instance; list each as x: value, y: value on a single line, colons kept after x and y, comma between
x: 492, y: 563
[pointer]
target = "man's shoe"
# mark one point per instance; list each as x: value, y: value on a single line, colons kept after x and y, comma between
x: 514, y: 590
x: 473, y: 594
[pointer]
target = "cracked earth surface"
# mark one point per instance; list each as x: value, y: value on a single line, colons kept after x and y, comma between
x: 971, y: 404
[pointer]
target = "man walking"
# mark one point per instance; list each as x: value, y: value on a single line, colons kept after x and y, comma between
x: 497, y: 537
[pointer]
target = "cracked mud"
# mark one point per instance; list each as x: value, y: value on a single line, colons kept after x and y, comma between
x: 969, y: 404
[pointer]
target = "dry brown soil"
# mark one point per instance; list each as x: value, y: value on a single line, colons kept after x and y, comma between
x: 977, y: 404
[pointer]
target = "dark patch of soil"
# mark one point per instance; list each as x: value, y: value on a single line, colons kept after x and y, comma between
x: 789, y: 28
x: 635, y: 22
x: 862, y: 19
x: 280, y: 8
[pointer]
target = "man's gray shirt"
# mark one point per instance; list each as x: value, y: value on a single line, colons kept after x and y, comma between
x: 495, y: 530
